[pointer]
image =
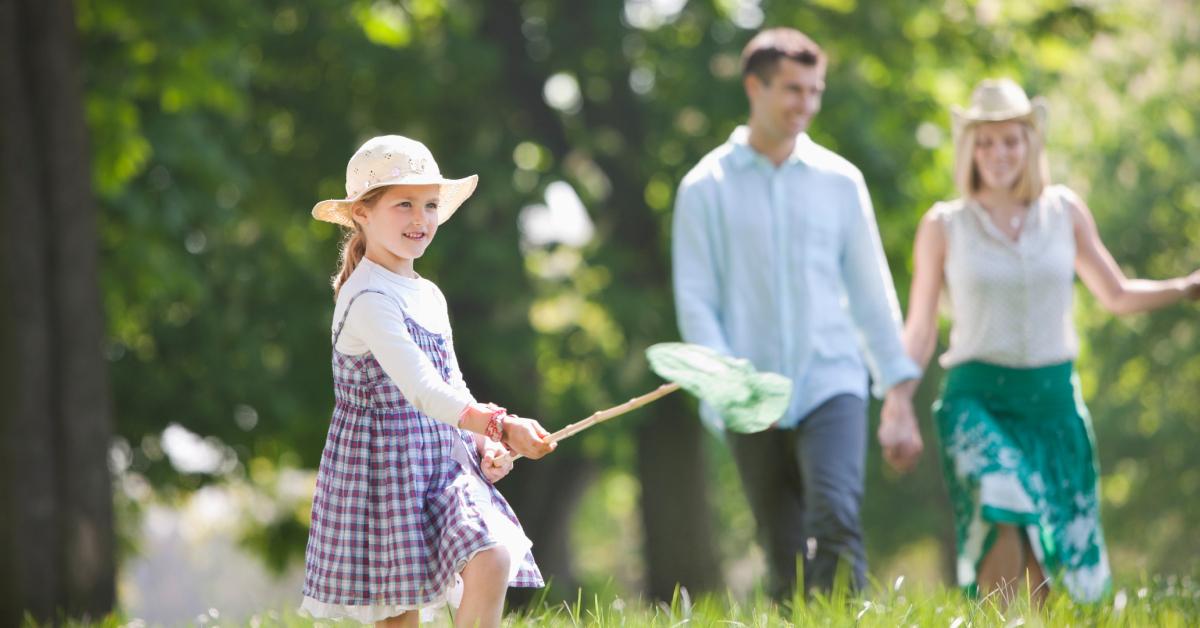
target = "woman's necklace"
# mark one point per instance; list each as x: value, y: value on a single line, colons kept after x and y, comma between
x: 1015, y: 221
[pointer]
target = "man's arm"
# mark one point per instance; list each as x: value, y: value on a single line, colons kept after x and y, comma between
x: 874, y: 307
x: 872, y: 298
x: 697, y: 270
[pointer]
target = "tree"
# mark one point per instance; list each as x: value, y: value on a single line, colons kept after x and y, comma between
x: 57, y: 529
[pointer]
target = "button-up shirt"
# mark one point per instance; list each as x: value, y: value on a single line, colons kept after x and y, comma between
x: 783, y: 265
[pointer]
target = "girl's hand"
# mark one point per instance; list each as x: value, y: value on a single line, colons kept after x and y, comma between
x: 495, y: 463
x: 526, y: 437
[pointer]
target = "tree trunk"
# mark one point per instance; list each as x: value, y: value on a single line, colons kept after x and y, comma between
x: 680, y: 548
x: 58, y: 530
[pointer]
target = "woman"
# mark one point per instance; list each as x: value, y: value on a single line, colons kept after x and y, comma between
x: 1017, y: 440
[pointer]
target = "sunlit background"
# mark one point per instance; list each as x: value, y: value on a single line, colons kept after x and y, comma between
x: 216, y: 125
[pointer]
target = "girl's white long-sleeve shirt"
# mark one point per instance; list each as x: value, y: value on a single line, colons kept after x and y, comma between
x: 376, y: 324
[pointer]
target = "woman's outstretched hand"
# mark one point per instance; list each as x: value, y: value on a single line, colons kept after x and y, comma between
x: 1192, y: 287
x: 526, y: 437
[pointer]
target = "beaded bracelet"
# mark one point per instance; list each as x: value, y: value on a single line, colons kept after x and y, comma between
x: 495, y: 426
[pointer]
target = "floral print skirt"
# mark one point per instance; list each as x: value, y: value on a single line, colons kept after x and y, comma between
x: 1017, y: 449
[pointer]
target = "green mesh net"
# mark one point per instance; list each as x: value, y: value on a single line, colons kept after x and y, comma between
x: 745, y: 399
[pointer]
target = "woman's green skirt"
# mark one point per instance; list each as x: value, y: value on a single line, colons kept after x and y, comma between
x: 1017, y: 449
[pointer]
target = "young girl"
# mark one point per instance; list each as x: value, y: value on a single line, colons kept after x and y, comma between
x: 1016, y: 439
x: 405, y: 516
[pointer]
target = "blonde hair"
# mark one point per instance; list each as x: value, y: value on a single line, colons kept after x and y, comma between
x: 1033, y: 180
x: 354, y: 246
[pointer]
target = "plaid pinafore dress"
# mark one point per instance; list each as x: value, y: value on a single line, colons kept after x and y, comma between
x: 401, y: 503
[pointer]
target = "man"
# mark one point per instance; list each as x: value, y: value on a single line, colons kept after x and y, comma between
x: 777, y: 259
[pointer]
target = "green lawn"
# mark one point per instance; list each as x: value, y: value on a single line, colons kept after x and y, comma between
x: 1161, y: 602
x: 1164, y: 603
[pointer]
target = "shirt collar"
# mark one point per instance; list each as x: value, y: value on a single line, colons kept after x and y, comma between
x: 408, y: 283
x: 743, y: 154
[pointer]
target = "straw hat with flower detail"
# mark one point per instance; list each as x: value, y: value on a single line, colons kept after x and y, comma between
x: 394, y: 160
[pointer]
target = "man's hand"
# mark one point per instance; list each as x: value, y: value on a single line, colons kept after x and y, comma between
x: 495, y: 461
x: 898, y: 433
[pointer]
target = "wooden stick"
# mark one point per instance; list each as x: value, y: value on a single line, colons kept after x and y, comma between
x: 604, y: 415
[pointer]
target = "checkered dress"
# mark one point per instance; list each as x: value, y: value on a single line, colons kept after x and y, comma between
x: 393, y: 519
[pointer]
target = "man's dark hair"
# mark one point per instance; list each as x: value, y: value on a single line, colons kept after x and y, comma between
x: 761, y: 56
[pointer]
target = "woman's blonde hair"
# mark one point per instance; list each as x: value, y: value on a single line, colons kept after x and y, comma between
x: 1033, y: 180
x: 354, y: 246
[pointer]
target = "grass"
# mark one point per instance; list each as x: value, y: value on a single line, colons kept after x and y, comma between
x: 1161, y: 602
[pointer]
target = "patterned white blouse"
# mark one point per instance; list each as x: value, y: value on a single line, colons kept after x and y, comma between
x: 1011, y: 302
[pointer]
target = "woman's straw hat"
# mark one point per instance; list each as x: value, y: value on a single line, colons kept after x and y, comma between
x: 394, y: 160
x: 998, y: 100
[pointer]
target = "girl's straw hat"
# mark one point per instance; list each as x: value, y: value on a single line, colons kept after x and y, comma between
x: 997, y: 100
x: 394, y: 160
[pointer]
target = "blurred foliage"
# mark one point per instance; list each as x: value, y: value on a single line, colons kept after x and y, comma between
x: 216, y: 125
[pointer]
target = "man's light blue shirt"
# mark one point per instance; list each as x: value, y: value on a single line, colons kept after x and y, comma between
x: 784, y: 266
